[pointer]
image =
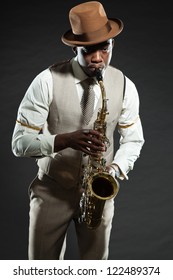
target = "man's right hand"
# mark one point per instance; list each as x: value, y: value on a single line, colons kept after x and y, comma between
x: 88, y: 141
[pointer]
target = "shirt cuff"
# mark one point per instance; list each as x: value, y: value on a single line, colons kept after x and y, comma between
x: 47, y: 144
x: 123, y: 169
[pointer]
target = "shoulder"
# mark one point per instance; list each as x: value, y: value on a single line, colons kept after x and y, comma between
x: 41, y: 86
x: 130, y: 89
x: 43, y: 75
x: 43, y: 80
x: 62, y: 66
x: 131, y: 93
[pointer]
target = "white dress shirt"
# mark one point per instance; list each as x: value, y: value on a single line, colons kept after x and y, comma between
x: 33, y: 112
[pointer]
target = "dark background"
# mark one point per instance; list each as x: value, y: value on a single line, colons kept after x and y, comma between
x: 30, y: 42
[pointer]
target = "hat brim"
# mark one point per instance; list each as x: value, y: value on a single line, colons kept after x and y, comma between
x: 116, y: 25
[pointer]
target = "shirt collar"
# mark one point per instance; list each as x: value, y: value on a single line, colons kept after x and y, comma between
x: 78, y: 72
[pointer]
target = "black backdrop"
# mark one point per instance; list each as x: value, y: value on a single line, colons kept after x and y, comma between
x: 30, y: 41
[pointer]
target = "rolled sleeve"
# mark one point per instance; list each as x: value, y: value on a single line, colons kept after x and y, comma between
x: 130, y: 130
x: 28, y: 139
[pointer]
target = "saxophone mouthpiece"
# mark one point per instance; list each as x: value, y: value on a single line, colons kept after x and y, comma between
x: 99, y: 74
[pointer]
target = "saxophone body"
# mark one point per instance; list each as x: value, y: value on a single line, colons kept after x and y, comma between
x: 98, y: 185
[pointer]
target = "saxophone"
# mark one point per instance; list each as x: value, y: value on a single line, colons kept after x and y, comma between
x: 98, y: 185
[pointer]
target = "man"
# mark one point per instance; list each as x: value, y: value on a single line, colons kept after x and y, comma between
x: 52, y: 128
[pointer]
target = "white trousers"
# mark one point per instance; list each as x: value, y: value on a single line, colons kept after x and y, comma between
x: 52, y: 208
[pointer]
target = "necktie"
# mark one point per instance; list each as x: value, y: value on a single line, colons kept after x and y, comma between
x: 87, y: 102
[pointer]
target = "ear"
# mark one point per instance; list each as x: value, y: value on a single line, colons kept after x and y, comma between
x: 74, y: 50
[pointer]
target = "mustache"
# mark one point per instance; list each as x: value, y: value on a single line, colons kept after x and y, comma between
x: 96, y: 66
x: 96, y: 70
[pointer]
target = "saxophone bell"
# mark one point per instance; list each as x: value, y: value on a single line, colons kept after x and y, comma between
x: 103, y: 185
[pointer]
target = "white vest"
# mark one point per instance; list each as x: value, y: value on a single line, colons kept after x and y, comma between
x: 65, y: 116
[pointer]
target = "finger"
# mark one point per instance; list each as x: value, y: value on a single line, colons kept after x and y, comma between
x: 96, y: 133
x: 85, y: 147
x: 86, y: 131
x: 96, y: 148
x: 93, y: 140
x: 93, y: 133
x: 90, y: 149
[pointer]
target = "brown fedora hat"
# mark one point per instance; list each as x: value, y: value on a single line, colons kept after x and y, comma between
x: 90, y: 25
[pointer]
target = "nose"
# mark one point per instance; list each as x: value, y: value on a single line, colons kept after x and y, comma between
x: 96, y: 57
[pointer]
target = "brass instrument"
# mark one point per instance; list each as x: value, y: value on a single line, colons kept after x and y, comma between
x: 98, y: 184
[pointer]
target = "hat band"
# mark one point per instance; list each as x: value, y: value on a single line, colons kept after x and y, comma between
x: 91, y: 36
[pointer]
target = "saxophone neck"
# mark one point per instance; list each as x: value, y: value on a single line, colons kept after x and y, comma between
x: 99, y: 78
x: 104, y: 109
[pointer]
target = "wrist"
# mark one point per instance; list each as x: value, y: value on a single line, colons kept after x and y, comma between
x: 116, y: 169
x: 61, y: 142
